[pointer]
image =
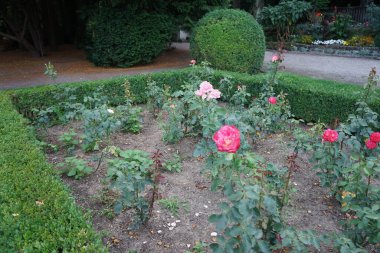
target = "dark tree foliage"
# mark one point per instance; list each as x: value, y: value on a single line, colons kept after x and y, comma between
x: 39, y: 24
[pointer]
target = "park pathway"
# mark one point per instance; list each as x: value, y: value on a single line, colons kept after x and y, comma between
x: 19, y: 69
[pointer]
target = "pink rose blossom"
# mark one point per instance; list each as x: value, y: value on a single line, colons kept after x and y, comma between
x: 370, y: 144
x: 330, y: 135
x: 272, y: 100
x: 206, y: 91
x: 227, y: 139
x: 213, y: 94
x: 375, y: 137
x: 193, y: 62
x: 275, y: 58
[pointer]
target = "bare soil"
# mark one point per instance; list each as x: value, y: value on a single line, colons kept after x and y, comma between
x: 310, y: 206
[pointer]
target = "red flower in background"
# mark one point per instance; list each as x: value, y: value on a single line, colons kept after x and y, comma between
x: 272, y: 100
x: 330, y: 135
x: 227, y: 139
x: 375, y: 137
x: 370, y: 144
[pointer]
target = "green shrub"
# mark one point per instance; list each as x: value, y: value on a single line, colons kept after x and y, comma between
x: 310, y: 99
x: 230, y: 40
x: 120, y: 38
x: 36, y: 212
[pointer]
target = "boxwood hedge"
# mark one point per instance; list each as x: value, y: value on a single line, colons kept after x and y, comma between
x: 311, y: 99
x: 58, y: 225
x: 37, y: 214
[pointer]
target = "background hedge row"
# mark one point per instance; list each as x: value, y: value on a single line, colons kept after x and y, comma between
x: 52, y: 224
x: 311, y: 99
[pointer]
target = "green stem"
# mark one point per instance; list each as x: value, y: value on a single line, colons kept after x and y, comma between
x: 368, y: 184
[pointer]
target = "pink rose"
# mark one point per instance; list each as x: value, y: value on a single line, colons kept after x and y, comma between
x: 272, y: 100
x: 227, y: 139
x: 375, y: 137
x: 213, y: 94
x: 193, y: 62
x: 370, y: 144
x: 330, y: 135
x: 275, y: 58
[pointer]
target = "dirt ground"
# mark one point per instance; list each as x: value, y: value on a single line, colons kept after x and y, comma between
x: 19, y: 69
x: 310, y: 206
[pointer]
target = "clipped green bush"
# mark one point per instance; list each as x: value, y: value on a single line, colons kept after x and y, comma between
x: 311, y: 99
x: 37, y: 214
x: 230, y: 40
x: 121, y: 38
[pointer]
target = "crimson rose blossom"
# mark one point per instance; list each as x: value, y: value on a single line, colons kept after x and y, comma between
x: 375, y: 137
x: 272, y: 100
x: 227, y: 139
x: 370, y: 144
x: 330, y: 135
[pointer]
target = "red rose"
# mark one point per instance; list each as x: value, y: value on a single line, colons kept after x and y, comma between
x: 375, y: 137
x: 330, y: 135
x: 370, y: 144
x: 227, y: 139
x: 272, y: 100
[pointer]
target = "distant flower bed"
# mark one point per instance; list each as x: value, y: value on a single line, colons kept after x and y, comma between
x: 329, y: 42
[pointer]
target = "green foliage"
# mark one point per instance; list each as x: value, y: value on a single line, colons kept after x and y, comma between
x: 25, y: 178
x: 117, y: 37
x: 69, y: 140
x: 230, y: 40
x: 173, y: 205
x: 129, y: 118
x: 98, y: 124
x: 50, y: 71
x: 75, y: 167
x: 173, y: 165
x: 129, y: 175
x: 349, y: 168
x: 156, y: 97
x: 374, y: 22
x: 283, y: 17
x: 340, y: 28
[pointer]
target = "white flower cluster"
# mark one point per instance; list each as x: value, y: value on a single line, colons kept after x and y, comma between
x: 328, y: 42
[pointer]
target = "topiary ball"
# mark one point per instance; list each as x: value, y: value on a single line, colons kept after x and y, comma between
x: 121, y: 38
x: 229, y: 40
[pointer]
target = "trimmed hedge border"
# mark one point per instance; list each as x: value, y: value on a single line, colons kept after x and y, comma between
x: 310, y: 99
x: 55, y: 224
x: 25, y: 177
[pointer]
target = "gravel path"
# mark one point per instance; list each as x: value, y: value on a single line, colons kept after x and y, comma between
x: 345, y: 69
x: 19, y: 69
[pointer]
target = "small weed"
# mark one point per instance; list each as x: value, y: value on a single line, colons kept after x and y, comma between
x: 69, y: 140
x: 173, y: 205
x: 173, y: 165
x: 75, y: 167
x: 199, y: 247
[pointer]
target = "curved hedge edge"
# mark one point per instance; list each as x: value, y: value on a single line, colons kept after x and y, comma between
x: 310, y: 99
x: 37, y: 214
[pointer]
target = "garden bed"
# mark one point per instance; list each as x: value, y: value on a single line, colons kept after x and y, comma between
x: 337, y: 50
x: 310, y: 207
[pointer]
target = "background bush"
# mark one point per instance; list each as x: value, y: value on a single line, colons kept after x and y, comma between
x: 121, y: 38
x: 374, y: 22
x: 230, y: 40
